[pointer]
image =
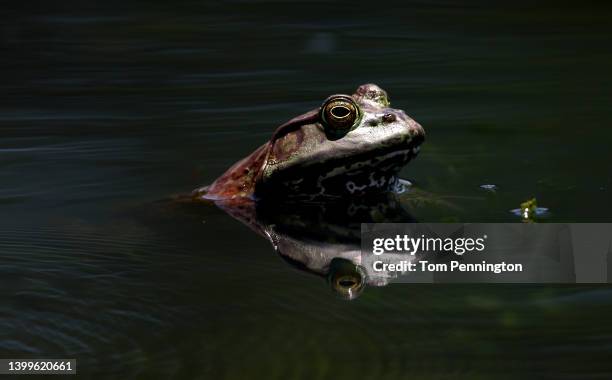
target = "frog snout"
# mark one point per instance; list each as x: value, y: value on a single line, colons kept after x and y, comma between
x: 414, y: 129
x: 418, y: 132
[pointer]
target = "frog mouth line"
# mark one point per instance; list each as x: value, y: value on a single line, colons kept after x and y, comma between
x: 373, y: 159
x: 377, y: 160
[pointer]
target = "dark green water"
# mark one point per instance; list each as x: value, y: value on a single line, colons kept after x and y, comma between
x: 108, y: 108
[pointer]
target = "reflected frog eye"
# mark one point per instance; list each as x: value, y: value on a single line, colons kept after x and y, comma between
x: 339, y: 114
x: 347, y: 280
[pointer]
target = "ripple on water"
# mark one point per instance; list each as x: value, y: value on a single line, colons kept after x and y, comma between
x: 79, y: 290
x: 75, y: 289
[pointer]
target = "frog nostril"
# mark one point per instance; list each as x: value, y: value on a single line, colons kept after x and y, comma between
x: 388, y: 118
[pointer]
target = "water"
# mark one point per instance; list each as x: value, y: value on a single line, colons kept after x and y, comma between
x: 107, y: 109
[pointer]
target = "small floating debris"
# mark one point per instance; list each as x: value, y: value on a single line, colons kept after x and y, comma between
x: 490, y: 188
x: 529, y: 210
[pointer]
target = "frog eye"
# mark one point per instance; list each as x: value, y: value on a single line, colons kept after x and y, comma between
x: 339, y: 113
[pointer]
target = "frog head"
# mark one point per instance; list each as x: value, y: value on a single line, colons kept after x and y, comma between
x: 352, y: 145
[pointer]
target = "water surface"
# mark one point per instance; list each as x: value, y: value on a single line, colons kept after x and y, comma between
x: 108, y: 108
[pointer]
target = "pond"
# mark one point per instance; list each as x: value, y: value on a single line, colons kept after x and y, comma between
x: 108, y: 109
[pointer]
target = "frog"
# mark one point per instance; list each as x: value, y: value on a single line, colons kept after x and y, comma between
x: 352, y: 145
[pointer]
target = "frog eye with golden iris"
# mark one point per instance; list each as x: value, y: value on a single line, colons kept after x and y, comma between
x: 339, y: 114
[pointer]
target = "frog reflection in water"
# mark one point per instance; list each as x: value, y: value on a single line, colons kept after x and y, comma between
x: 323, y: 238
x: 345, y: 156
x: 350, y: 146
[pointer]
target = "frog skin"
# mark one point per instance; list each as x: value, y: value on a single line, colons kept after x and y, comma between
x: 352, y: 145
